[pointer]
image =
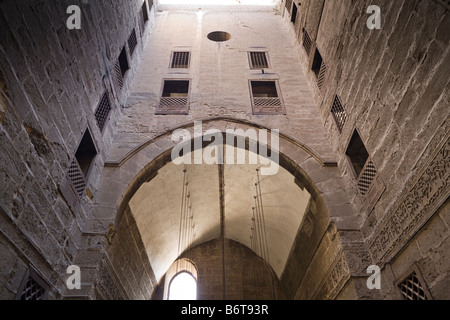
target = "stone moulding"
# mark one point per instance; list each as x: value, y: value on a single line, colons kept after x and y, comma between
x: 428, y: 192
x: 337, y: 275
x: 130, y: 154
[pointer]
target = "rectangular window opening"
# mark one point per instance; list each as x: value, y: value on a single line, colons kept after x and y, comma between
x: 357, y: 153
x: 319, y: 68
x: 266, y: 98
x: 86, y: 153
x: 174, y: 97
x: 176, y: 88
x: 307, y: 43
x: 132, y: 41
x: 264, y: 89
x: 180, y: 59
x: 317, y: 63
x: 123, y: 62
x: 144, y: 16
x: 81, y: 163
x: 294, y: 13
x: 33, y: 287
x: 258, y: 60
x: 120, y: 68
x: 145, y: 11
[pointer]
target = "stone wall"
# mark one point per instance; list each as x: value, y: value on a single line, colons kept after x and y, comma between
x: 219, y: 73
x: 314, y: 257
x: 393, y: 84
x: 51, y: 82
x: 428, y: 252
x: 125, y: 271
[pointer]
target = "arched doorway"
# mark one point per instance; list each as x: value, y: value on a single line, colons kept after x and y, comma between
x: 313, y: 263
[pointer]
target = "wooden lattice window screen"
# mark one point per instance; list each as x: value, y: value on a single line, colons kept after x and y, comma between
x: 412, y: 288
x: 370, y: 184
x: 338, y: 112
x: 33, y: 287
x: 366, y: 177
x: 180, y: 59
x: 102, y: 112
x: 120, y: 68
x: 132, y: 41
x: 321, y: 76
x: 77, y: 178
x: 172, y: 105
x: 118, y: 77
x: 266, y: 98
x: 307, y: 43
x: 32, y: 291
x: 258, y: 60
x: 174, y: 98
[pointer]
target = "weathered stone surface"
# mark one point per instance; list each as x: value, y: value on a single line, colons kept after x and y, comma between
x: 54, y: 77
x: 393, y: 84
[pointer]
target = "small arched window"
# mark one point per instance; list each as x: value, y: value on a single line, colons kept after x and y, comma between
x: 183, y: 286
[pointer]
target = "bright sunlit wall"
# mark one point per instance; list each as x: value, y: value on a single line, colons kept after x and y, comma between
x: 219, y: 2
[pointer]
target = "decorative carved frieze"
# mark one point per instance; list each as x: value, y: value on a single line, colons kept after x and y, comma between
x: 429, y: 191
x: 358, y: 259
x: 106, y: 283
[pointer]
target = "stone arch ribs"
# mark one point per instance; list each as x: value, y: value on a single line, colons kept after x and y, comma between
x: 122, y: 178
x: 318, y: 173
x: 248, y: 124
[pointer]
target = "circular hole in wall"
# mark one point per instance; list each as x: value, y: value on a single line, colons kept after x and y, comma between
x: 219, y: 36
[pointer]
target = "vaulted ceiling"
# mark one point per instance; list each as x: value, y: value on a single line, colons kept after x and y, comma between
x: 157, y: 207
